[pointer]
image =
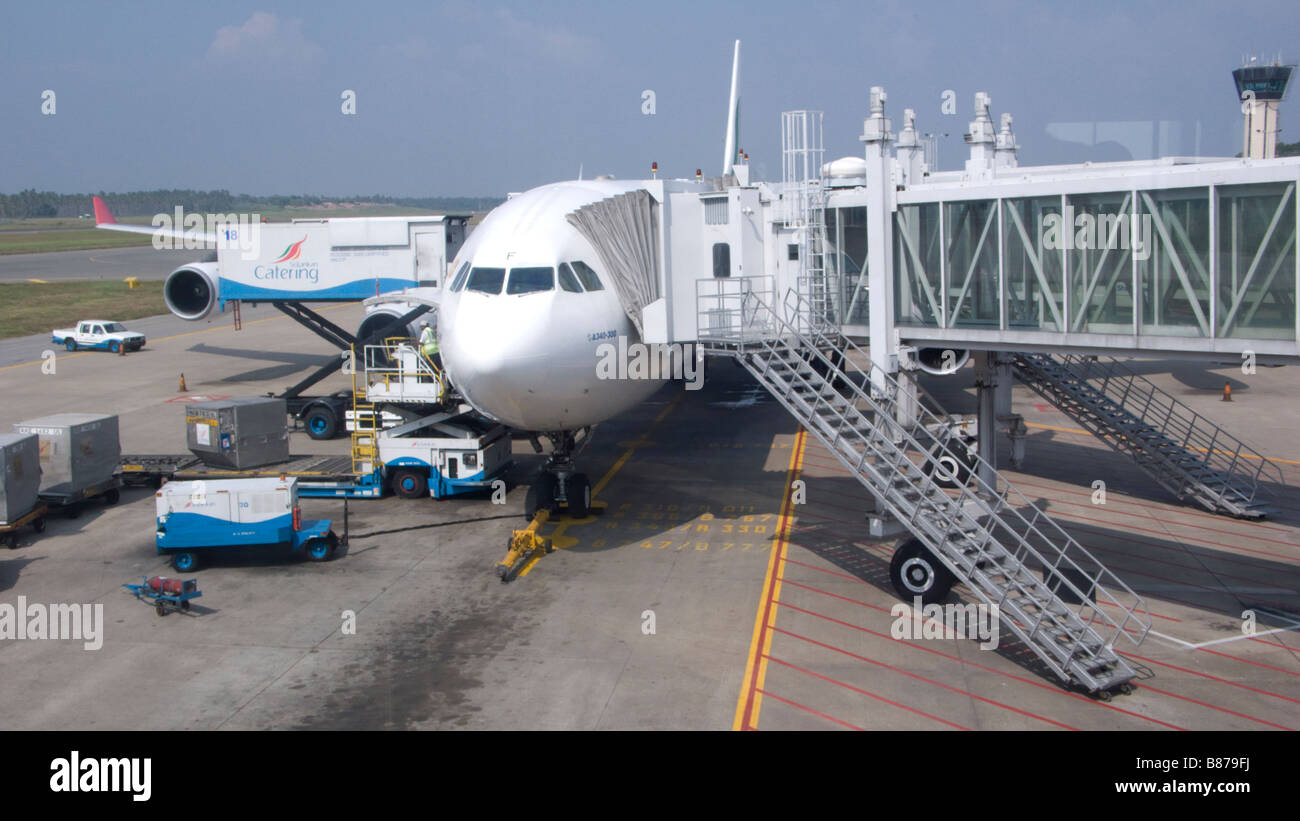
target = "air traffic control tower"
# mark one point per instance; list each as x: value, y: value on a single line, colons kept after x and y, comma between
x: 1260, y: 88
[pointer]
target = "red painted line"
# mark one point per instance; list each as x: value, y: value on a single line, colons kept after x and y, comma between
x: 787, y: 510
x: 1194, y: 568
x: 1208, y: 542
x: 1069, y: 489
x: 855, y: 578
x: 986, y: 668
x: 1212, y: 678
x: 823, y: 570
x: 811, y: 710
x: 925, y: 679
x: 1216, y: 707
x: 1247, y: 661
x: 836, y: 596
x: 866, y: 693
x: 1273, y: 643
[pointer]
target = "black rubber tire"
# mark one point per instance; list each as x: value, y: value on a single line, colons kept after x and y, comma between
x: 185, y: 605
x: 317, y: 553
x: 541, y: 494
x: 10, y: 540
x: 71, y: 345
x: 321, y: 423
x: 111, y: 496
x: 410, y: 484
x: 38, y: 524
x: 914, y: 571
x: 185, y: 561
x: 954, y: 470
x: 160, y: 608
x: 578, y: 489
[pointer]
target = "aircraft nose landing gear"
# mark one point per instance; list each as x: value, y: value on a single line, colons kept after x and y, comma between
x: 557, y: 488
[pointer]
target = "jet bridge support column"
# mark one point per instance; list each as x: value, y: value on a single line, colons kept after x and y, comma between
x: 880, y: 263
x: 986, y: 387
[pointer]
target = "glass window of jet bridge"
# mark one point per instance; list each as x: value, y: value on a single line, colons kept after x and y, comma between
x: 486, y: 280
x: 588, y: 276
x: 461, y: 276
x: 530, y: 280
x: 568, y: 281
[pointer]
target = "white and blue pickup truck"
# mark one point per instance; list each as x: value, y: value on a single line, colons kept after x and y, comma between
x: 98, y: 335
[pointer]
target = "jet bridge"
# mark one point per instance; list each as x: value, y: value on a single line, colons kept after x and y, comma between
x: 1037, y: 271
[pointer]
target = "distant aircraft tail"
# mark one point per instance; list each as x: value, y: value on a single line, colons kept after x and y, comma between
x: 104, y: 219
x: 733, y: 115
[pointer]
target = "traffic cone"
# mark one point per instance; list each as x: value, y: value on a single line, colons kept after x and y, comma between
x: 1227, y: 392
x: 183, y: 389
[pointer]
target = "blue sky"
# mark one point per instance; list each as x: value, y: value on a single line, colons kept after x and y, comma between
x: 480, y: 98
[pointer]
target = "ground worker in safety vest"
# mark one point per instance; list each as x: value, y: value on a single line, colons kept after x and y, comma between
x: 429, y: 345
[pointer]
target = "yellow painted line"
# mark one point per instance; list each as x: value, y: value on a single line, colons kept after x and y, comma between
x: 38, y: 281
x: 1083, y: 432
x: 754, y: 678
x: 174, y: 336
x: 558, y: 539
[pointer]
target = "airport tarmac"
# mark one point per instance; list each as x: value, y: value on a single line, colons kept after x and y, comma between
x: 144, y: 262
x: 696, y: 597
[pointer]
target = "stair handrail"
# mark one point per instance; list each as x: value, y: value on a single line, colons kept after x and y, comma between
x: 887, y: 388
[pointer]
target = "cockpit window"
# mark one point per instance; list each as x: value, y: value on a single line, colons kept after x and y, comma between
x: 486, y: 280
x: 568, y: 281
x: 589, y: 279
x: 530, y: 280
x: 461, y: 275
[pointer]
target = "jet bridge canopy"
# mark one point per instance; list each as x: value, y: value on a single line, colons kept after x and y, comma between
x: 624, y: 230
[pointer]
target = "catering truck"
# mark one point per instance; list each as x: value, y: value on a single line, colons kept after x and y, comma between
x: 236, y: 515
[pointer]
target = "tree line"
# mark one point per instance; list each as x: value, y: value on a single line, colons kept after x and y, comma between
x: 33, y: 203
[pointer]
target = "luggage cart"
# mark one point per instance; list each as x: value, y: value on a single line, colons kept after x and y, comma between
x: 35, y: 517
x: 164, y: 591
x: 70, y: 503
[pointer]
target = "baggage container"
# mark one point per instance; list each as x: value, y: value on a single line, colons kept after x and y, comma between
x: 78, y: 451
x: 20, y: 475
x: 239, y: 433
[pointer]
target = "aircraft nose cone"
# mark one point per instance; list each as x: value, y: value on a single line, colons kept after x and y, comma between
x: 495, y: 349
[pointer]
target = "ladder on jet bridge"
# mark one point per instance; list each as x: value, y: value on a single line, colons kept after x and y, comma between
x: 1186, y: 453
x: 1047, y: 588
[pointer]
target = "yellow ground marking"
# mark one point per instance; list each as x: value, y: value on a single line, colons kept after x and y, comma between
x: 38, y: 281
x: 1083, y: 432
x: 766, y: 605
x: 559, y: 540
x: 173, y: 336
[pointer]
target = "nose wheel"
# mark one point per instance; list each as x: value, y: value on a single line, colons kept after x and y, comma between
x: 557, y: 488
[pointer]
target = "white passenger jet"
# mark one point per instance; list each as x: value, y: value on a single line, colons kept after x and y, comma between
x: 523, y: 316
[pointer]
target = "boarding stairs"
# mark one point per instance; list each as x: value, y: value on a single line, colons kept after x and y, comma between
x: 1048, y: 589
x: 366, y: 423
x: 1186, y: 453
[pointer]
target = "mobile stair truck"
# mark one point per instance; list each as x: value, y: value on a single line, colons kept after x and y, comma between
x: 236, y: 515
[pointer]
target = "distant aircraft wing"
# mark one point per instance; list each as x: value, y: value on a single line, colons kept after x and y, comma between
x: 411, y: 296
x: 104, y: 219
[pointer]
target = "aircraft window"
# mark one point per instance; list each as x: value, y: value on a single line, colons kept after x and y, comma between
x: 568, y: 281
x: 589, y: 279
x: 530, y: 280
x: 486, y: 280
x: 459, y: 281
